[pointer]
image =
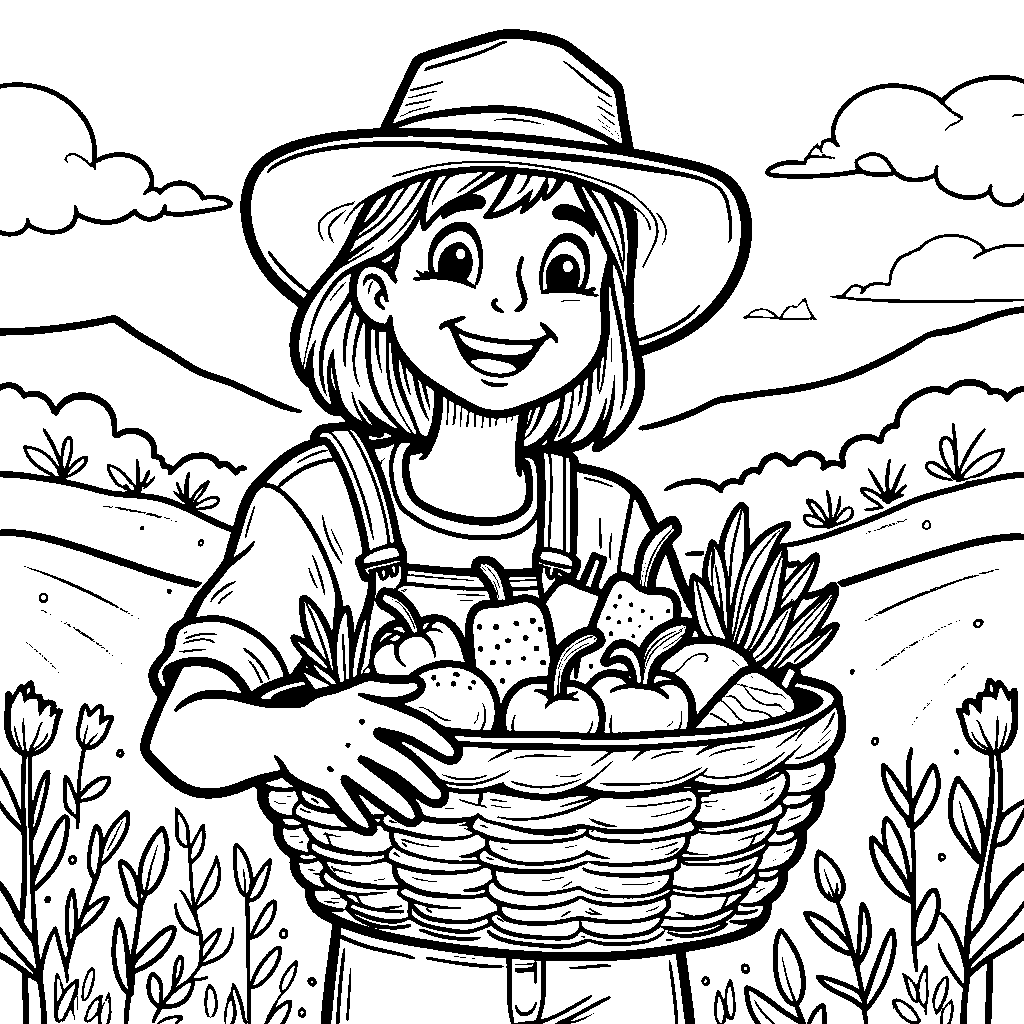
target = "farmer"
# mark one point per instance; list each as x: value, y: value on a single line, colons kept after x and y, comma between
x: 477, y: 284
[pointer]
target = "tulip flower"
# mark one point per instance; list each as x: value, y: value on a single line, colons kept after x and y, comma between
x: 93, y: 726
x: 989, y: 720
x: 30, y: 721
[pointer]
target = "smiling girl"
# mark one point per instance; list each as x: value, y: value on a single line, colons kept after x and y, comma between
x: 477, y: 283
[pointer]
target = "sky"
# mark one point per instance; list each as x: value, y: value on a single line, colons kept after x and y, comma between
x: 202, y: 93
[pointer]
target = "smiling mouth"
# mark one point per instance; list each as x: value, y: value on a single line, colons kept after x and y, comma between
x: 498, y: 359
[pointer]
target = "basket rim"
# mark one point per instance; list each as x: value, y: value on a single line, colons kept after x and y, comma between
x: 826, y: 697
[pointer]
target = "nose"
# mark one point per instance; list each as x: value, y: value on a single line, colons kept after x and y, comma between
x: 496, y: 305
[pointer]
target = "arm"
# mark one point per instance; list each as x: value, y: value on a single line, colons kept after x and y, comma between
x: 208, y: 735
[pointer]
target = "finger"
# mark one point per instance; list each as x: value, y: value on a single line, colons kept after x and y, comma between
x: 396, y: 688
x: 352, y: 810
x: 418, y: 730
x: 383, y: 793
x: 407, y: 767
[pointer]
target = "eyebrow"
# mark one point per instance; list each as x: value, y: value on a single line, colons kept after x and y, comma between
x: 577, y: 216
x: 458, y: 205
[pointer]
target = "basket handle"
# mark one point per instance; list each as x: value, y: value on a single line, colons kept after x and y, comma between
x: 526, y: 990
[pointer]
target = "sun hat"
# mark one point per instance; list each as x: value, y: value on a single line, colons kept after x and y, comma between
x: 508, y: 100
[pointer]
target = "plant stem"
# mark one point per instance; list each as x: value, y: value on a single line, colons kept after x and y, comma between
x: 248, y: 962
x: 130, y: 967
x: 983, y: 882
x: 78, y: 788
x: 33, y: 1000
x: 856, y: 962
x: 912, y: 877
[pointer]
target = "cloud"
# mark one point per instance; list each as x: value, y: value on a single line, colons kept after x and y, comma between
x: 798, y: 311
x: 970, y: 142
x: 51, y: 174
x: 950, y: 268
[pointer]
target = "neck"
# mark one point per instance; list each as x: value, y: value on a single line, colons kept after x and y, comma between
x: 472, y: 464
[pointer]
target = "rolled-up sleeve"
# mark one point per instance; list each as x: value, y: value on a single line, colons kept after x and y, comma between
x: 243, y: 619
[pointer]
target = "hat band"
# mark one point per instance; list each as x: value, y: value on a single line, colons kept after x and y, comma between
x: 528, y: 124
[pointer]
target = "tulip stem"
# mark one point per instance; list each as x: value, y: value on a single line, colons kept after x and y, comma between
x: 78, y: 788
x: 31, y: 987
x: 983, y: 882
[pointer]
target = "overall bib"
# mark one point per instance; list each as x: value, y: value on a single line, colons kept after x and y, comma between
x: 371, y: 980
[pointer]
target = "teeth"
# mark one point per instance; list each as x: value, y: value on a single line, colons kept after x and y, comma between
x: 499, y: 348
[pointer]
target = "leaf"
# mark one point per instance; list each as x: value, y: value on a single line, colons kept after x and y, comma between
x: 130, y: 883
x: 927, y: 794
x: 898, y: 796
x: 94, y: 860
x: 266, y: 967
x: 939, y: 995
x: 70, y: 804
x: 789, y: 969
x: 946, y: 1015
x: 43, y: 461
x: 831, y: 883
x: 53, y: 940
x: 155, y: 948
x: 922, y: 987
x: 52, y: 852
x: 96, y: 788
x: 192, y: 927
x: 210, y: 884
x: 16, y: 945
x: 88, y: 981
x: 288, y: 978
x: 819, y: 1016
x: 926, y: 917
x: 863, y: 931
x: 888, y: 871
x: 1002, y: 925
x: 265, y: 919
x: 209, y: 952
x: 155, y: 990
x: 178, y: 970
x: 764, y: 1010
x: 280, y: 1013
x: 708, y: 619
x: 153, y: 862
x: 115, y: 836
x: 983, y: 464
x: 66, y: 1000
x: 879, y: 976
x: 182, y: 833
x: 39, y: 799
x: 259, y: 883
x: 210, y: 1001
x: 9, y: 806
x: 840, y: 988
x: 957, y: 944
x: 70, y: 915
x: 316, y: 632
x: 243, y: 871
x: 1009, y: 822
x: 906, y: 1011
x: 120, y: 956
x: 827, y: 932
x: 965, y: 819
x: 91, y: 914
x: 198, y: 844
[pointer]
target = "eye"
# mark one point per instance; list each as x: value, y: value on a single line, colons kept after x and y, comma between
x: 566, y: 266
x: 456, y: 255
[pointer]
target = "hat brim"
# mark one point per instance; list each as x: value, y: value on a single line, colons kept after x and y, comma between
x: 299, y: 202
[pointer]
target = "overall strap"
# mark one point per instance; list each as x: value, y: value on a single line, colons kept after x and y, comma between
x: 383, y: 558
x: 556, y: 548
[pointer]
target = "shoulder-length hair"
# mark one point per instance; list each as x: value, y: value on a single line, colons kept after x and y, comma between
x: 356, y: 371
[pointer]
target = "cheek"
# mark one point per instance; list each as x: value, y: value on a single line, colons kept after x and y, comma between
x: 578, y: 324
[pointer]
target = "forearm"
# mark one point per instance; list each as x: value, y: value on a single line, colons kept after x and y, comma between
x: 210, y: 740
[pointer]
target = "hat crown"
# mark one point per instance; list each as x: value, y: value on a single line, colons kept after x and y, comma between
x: 515, y: 82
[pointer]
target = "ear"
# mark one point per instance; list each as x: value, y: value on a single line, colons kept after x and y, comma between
x: 372, y: 295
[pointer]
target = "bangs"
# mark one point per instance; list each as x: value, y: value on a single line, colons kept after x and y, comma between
x: 499, y: 192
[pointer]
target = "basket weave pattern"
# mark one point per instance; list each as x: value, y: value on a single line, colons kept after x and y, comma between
x: 585, y: 847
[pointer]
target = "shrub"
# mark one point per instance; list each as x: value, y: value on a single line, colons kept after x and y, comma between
x: 885, y: 491
x: 957, y: 468
x: 59, y: 463
x: 827, y: 516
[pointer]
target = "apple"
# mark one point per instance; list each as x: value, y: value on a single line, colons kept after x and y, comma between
x: 552, y: 704
x: 637, y: 697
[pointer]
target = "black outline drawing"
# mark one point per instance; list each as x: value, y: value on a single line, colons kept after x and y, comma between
x: 797, y: 311
x: 870, y: 292
x: 943, y: 118
x: 195, y: 201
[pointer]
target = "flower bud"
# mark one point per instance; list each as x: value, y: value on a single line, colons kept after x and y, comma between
x: 989, y: 720
x: 30, y: 721
x: 93, y: 726
x: 831, y: 883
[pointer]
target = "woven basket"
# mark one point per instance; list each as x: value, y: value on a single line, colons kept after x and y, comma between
x: 579, y: 848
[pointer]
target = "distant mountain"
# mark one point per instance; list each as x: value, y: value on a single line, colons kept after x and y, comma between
x: 798, y: 311
x: 185, y: 408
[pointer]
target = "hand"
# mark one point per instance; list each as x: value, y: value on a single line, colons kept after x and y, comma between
x: 354, y: 742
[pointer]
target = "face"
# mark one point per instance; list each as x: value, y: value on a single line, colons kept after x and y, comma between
x: 499, y: 312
